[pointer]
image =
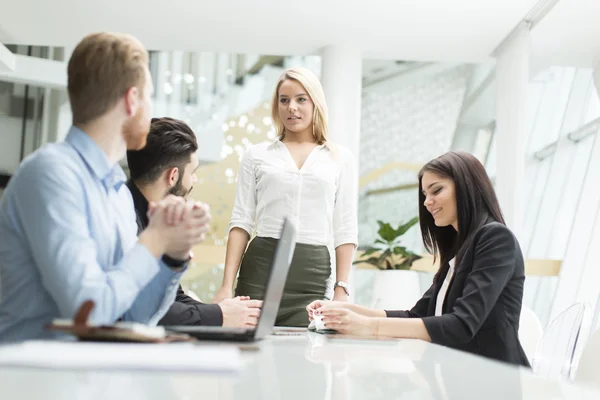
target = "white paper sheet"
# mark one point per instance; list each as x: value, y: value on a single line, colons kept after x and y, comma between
x: 122, y: 356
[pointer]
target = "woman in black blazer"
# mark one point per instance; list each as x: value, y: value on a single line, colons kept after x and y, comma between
x: 475, y: 300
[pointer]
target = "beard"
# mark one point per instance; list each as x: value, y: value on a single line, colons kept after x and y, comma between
x: 135, y: 131
x: 179, y: 190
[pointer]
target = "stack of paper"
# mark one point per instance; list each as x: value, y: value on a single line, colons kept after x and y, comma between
x: 121, y: 356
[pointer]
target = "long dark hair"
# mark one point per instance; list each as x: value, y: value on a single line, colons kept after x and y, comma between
x: 476, y: 205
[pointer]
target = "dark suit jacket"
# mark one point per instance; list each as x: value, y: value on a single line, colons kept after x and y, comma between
x: 483, y: 302
x: 185, y: 310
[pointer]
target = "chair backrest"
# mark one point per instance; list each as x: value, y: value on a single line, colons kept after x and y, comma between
x: 555, y: 353
x: 530, y: 331
x: 588, y: 372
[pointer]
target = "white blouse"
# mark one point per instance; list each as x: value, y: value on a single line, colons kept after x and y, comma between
x: 320, y: 198
x: 439, y: 303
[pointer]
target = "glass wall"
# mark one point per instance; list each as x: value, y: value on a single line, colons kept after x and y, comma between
x: 408, y: 117
x: 21, y: 116
x: 561, y: 194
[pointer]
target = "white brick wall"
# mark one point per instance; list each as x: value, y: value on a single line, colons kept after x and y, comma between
x: 412, y: 124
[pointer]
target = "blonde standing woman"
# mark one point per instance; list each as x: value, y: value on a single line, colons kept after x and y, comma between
x: 303, y: 176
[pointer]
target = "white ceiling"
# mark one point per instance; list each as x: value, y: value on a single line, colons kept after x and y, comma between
x: 569, y: 35
x: 419, y: 30
x: 416, y: 30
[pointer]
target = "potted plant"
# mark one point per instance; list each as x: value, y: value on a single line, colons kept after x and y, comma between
x: 387, y: 252
x: 395, y: 286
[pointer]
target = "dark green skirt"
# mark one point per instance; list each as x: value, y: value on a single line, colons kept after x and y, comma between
x: 306, y: 281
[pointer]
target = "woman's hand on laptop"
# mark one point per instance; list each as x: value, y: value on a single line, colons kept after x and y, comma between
x: 240, y: 312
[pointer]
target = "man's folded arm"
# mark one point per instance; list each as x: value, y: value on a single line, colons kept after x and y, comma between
x: 188, y: 311
x: 52, y: 211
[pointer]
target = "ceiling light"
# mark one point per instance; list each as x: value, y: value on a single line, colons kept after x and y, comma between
x: 188, y: 78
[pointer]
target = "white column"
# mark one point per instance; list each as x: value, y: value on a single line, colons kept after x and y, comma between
x: 174, y: 106
x: 588, y: 283
x: 341, y: 76
x: 512, y: 78
x: 164, y: 76
x: 60, y: 116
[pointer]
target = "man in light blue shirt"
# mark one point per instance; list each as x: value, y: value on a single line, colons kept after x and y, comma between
x: 67, y: 221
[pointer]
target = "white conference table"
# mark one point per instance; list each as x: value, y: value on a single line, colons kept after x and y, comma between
x: 307, y: 366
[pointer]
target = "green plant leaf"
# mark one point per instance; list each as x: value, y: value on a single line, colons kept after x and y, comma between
x: 373, y: 261
x: 389, y: 243
x: 386, y: 232
x: 402, y: 266
x: 385, y: 260
x: 407, y: 261
x: 400, y: 250
x: 403, y: 228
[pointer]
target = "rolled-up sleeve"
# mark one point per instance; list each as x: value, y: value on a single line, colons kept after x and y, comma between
x: 244, y: 208
x: 345, y: 216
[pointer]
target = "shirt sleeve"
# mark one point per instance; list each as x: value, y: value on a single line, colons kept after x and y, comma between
x: 244, y: 208
x: 155, y: 298
x: 53, y: 214
x: 345, y: 216
x: 188, y: 311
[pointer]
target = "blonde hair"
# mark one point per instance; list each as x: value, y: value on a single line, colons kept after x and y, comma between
x: 313, y: 87
x: 102, y: 68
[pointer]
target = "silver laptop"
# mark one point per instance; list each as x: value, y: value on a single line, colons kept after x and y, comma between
x: 278, y: 272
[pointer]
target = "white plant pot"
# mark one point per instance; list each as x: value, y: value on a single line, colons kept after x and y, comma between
x: 396, y: 289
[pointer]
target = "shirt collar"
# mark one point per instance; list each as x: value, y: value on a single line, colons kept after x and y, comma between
x: 277, y: 142
x: 110, y: 176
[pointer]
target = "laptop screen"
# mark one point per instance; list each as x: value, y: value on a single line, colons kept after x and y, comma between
x: 277, y: 278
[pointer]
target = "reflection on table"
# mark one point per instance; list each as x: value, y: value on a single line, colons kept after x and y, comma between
x: 308, y: 366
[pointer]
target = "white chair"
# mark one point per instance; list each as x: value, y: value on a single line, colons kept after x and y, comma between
x: 588, y: 371
x: 530, y: 331
x: 555, y: 354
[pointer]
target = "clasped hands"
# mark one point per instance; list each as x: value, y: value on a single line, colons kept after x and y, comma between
x: 181, y: 224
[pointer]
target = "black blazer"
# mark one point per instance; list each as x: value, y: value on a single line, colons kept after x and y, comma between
x: 185, y: 310
x: 483, y: 302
